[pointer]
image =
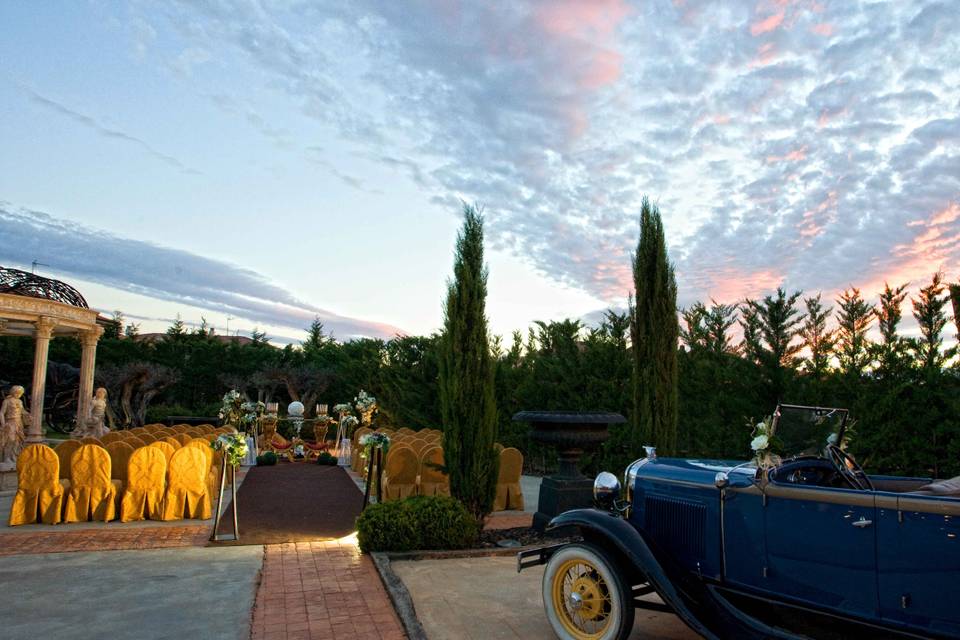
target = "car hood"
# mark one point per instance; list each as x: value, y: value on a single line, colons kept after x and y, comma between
x: 695, y: 470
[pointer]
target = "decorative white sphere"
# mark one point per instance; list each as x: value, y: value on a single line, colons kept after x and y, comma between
x: 295, y: 409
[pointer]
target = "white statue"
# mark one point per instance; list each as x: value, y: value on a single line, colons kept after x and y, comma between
x: 95, y: 424
x: 12, y: 418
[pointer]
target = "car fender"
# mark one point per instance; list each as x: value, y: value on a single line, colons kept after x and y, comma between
x: 689, y: 598
x: 619, y: 533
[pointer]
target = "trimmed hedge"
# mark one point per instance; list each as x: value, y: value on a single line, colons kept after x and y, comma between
x: 421, y: 522
x: 267, y: 459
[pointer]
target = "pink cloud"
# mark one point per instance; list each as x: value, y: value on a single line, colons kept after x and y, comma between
x: 823, y: 29
x: 768, y: 24
x: 816, y: 219
x: 734, y: 283
x: 793, y: 156
x: 935, y: 246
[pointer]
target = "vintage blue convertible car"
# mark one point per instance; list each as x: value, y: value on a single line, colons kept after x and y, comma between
x: 810, y: 547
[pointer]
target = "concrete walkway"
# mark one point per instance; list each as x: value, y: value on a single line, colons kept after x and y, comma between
x: 165, y: 593
x: 485, y: 598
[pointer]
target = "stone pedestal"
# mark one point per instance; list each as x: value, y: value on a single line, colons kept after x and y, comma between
x: 561, y: 494
x: 572, y: 434
x: 8, y: 480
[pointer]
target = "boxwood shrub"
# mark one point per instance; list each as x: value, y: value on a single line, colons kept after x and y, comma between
x: 326, y: 459
x: 266, y: 459
x: 421, y: 522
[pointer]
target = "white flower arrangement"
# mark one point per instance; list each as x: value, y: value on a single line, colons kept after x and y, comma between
x: 349, y: 422
x: 342, y: 408
x: 763, y: 442
x: 371, y: 441
x: 365, y: 402
x: 233, y: 446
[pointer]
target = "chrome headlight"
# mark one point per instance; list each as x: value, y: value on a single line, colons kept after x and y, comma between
x: 606, y: 490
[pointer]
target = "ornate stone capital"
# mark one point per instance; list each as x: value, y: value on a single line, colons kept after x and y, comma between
x: 3, y: 325
x: 90, y: 338
x: 44, y: 327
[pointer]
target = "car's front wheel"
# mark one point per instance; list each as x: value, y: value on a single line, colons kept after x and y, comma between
x: 585, y: 597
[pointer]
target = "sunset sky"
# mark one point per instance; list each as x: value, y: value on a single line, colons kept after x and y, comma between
x: 259, y: 163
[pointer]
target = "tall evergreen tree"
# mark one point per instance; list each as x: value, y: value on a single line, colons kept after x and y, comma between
x: 717, y: 323
x: 466, y: 375
x: 889, y: 314
x: 177, y: 329
x: 853, y: 319
x: 818, y: 340
x: 693, y: 333
x: 955, y: 297
x: 655, y: 332
x: 891, y: 352
x: 928, y: 310
x: 774, y: 322
x: 316, y: 338
x: 751, y: 346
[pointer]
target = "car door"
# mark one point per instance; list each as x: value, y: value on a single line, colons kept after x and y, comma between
x: 918, y: 558
x: 821, y: 547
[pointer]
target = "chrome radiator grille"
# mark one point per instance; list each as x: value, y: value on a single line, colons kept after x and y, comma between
x: 676, y: 524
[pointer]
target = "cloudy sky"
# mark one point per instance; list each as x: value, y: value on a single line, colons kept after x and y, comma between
x: 259, y: 163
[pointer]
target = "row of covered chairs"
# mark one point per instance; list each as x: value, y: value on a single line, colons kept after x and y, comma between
x: 409, y: 473
x: 419, y: 441
x: 155, y: 481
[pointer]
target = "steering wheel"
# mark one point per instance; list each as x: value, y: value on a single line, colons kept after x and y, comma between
x: 847, y: 467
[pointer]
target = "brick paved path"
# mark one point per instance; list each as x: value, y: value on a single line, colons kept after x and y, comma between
x: 31, y: 542
x: 322, y: 590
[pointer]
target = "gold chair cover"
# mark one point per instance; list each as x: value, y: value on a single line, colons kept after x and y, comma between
x: 120, y: 453
x: 91, y: 440
x: 136, y: 442
x: 166, y: 448
x: 400, y: 473
x: 113, y: 436
x: 187, y: 495
x: 183, y: 438
x: 433, y: 482
x: 147, y: 437
x: 509, y: 496
x: 213, y: 472
x: 92, y: 494
x: 173, y: 442
x: 39, y: 494
x: 146, y: 485
x: 65, y: 451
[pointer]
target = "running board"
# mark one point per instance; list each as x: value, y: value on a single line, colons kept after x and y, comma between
x: 540, y: 556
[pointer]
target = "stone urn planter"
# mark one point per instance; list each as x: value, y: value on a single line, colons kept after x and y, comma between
x: 573, y: 434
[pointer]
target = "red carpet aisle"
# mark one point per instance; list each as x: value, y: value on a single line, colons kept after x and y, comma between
x: 294, y: 502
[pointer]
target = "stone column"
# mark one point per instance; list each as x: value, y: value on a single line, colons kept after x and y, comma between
x: 42, y: 335
x: 88, y: 359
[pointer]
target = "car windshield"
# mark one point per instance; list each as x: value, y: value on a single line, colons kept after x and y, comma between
x: 805, y: 431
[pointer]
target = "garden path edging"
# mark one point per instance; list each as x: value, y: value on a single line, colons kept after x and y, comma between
x: 399, y: 596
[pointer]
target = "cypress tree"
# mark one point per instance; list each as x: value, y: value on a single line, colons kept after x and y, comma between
x: 655, y: 331
x: 818, y: 340
x: 854, y: 319
x: 466, y: 376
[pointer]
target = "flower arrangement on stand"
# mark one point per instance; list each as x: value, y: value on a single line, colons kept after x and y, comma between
x: 344, y: 429
x: 233, y: 446
x: 765, y: 444
x: 375, y: 447
x: 366, y: 406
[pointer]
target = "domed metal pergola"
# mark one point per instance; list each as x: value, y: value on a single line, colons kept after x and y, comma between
x: 31, y: 305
